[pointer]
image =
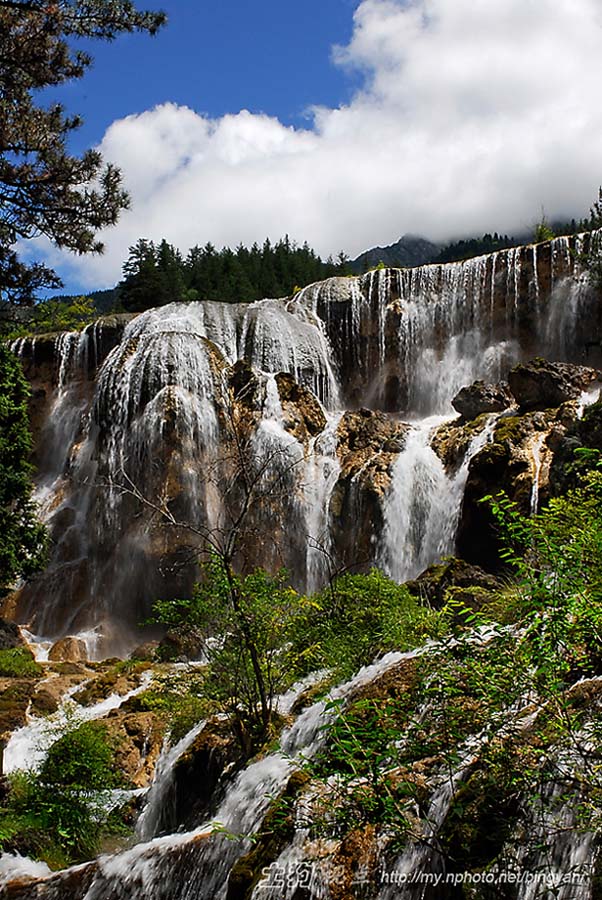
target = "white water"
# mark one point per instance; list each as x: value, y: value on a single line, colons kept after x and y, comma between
x: 13, y: 867
x: 402, y: 340
x: 195, y: 865
x: 536, y: 453
x: 422, y: 507
x: 163, y: 780
x: 27, y: 748
x: 321, y: 474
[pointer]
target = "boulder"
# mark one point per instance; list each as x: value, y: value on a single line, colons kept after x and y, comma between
x: 180, y: 644
x: 480, y: 397
x: 506, y: 464
x: 540, y: 384
x: 146, y: 652
x: 245, y: 385
x: 451, y: 440
x: 197, y: 774
x: 368, y: 445
x: 365, y: 437
x: 436, y: 585
x: 119, y: 678
x: 68, y: 649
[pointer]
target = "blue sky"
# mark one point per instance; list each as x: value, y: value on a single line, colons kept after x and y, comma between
x: 346, y: 123
x: 269, y: 57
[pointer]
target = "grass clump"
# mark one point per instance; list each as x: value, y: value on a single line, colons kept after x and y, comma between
x: 18, y: 662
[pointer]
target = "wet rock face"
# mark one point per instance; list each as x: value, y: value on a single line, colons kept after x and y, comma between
x: 368, y: 445
x: 506, y: 464
x: 541, y: 384
x: 480, y: 397
x: 303, y: 415
x: 197, y: 774
x: 364, y: 437
x: 451, y: 440
x: 138, y: 738
x: 10, y: 635
x: 153, y: 398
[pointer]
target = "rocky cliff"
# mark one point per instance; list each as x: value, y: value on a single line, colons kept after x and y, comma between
x: 309, y: 413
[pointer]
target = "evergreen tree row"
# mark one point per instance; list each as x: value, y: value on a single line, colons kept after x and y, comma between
x: 467, y: 248
x: 156, y: 274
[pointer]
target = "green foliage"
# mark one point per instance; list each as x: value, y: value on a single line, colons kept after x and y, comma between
x: 180, y: 697
x: 543, y: 231
x: 259, y: 635
x: 359, y: 762
x: 499, y: 703
x: 470, y: 247
x: 156, y: 274
x: 70, y: 314
x: 55, y: 315
x: 81, y: 760
x: 557, y: 557
x: 361, y: 616
x: 591, y: 259
x: 22, y: 537
x: 245, y: 622
x: 43, y: 189
x: 58, y: 814
x: 17, y: 662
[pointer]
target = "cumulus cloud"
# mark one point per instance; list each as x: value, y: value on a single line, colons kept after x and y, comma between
x: 472, y: 115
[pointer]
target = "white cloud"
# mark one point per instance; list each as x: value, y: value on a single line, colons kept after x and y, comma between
x: 472, y: 115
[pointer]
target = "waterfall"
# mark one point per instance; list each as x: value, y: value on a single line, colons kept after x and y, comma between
x: 320, y: 477
x: 195, y: 865
x: 157, y: 799
x: 149, y: 413
x: 536, y: 452
x: 15, y: 867
x: 422, y: 507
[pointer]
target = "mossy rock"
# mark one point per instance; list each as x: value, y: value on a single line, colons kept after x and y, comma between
x: 451, y: 440
x: 480, y: 821
x: 120, y: 679
x: 14, y: 702
x: 434, y: 585
x: 590, y: 427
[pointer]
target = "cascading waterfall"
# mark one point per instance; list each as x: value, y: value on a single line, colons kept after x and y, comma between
x: 536, y: 450
x: 149, y: 416
x: 195, y: 865
x: 157, y: 800
x: 320, y: 477
x: 422, y: 506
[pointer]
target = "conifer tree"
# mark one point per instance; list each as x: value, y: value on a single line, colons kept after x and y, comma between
x: 22, y: 538
x: 44, y: 190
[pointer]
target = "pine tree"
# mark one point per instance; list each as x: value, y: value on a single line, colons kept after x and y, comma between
x: 22, y: 538
x: 43, y: 189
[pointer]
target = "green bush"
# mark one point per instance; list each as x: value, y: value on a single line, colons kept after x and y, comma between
x: 251, y: 662
x: 17, y: 662
x: 557, y: 558
x: 359, y: 618
x: 59, y: 813
x: 180, y: 698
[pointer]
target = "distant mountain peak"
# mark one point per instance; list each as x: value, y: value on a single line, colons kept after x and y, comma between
x: 409, y: 250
